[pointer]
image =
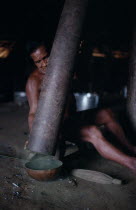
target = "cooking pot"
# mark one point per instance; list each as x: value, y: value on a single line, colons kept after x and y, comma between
x: 20, y: 98
x: 85, y: 101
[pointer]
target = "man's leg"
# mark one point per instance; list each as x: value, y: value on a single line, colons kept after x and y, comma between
x: 106, y: 117
x: 93, y: 135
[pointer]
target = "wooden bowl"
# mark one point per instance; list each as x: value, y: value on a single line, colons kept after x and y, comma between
x: 43, y: 168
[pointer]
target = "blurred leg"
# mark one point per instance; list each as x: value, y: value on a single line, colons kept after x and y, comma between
x: 106, y: 117
x: 93, y: 135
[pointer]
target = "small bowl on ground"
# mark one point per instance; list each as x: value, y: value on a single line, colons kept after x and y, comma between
x: 43, y: 168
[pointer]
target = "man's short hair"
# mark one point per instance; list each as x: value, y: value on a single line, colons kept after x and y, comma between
x: 31, y: 46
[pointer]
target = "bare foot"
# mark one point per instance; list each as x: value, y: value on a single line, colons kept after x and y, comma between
x: 132, y: 165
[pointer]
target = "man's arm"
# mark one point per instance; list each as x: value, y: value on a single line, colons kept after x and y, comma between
x: 32, y: 92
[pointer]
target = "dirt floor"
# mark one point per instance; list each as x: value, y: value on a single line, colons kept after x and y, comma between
x: 19, y: 191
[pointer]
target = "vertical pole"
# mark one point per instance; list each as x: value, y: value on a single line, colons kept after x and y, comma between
x: 55, y: 84
x: 131, y: 100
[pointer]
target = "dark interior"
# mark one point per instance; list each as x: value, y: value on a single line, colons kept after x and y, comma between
x: 108, y: 27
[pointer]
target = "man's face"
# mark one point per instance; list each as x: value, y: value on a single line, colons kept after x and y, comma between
x: 40, y: 58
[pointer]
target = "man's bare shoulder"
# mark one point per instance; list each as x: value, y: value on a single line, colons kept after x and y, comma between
x: 34, y: 75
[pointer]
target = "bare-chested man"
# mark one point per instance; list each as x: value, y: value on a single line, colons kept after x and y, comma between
x: 83, y: 131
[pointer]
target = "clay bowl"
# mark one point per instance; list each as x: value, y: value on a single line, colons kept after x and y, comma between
x: 43, y: 168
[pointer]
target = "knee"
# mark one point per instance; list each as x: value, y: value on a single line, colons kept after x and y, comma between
x: 104, y: 116
x: 90, y: 133
x: 88, y: 129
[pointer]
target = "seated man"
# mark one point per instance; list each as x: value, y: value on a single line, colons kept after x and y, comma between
x: 79, y: 130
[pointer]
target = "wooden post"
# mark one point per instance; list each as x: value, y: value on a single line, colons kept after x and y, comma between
x: 55, y: 85
x: 131, y: 99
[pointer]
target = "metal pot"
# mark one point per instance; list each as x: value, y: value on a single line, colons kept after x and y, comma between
x: 43, y: 168
x: 20, y: 98
x: 85, y: 101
